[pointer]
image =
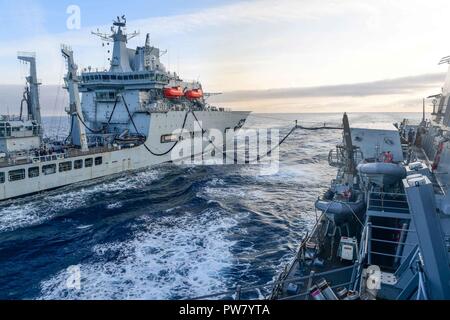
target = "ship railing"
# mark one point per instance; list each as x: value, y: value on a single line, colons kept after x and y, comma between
x: 387, y: 202
x: 237, y: 293
x: 26, y: 54
x: 337, y: 157
x: 78, y: 153
x: 400, y: 244
x: 402, y: 258
x: 49, y: 158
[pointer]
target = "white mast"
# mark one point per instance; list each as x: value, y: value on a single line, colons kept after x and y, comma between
x: 78, y: 134
x: 120, y: 61
x: 34, y: 86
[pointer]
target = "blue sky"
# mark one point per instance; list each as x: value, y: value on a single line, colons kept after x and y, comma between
x: 30, y: 17
x: 249, y: 45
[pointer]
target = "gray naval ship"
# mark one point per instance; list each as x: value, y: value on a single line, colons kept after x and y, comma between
x: 384, y: 229
x: 129, y: 117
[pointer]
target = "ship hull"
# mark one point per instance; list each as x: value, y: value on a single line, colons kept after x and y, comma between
x: 109, y: 163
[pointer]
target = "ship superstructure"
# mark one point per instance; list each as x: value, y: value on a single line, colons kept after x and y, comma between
x: 126, y: 118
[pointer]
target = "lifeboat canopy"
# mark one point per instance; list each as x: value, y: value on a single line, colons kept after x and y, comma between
x: 194, y: 94
x: 173, y: 92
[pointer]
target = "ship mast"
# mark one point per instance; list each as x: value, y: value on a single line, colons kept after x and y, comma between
x: 120, y: 61
x: 33, y: 84
x: 78, y: 132
x: 349, y: 150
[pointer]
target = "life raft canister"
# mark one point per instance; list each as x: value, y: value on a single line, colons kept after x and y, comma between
x: 388, y: 157
x: 347, y: 194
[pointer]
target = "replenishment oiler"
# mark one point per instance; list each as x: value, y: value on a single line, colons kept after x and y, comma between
x: 129, y: 117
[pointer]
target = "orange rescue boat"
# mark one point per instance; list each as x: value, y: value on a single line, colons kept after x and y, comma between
x: 194, y: 94
x: 173, y: 93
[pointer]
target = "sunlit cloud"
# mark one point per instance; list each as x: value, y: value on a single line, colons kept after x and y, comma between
x: 285, y: 49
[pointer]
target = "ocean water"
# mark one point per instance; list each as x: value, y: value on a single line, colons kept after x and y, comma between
x: 170, y: 232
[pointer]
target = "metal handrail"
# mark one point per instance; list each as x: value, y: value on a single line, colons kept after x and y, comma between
x: 385, y: 208
x: 386, y: 254
x: 390, y: 200
x: 388, y: 193
x: 394, y: 242
x: 390, y: 228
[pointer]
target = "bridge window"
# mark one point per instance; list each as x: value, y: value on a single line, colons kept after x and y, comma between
x: 78, y: 164
x: 17, y: 175
x: 88, y: 163
x: 65, y: 166
x: 105, y: 96
x: 33, y: 172
x: 2, y: 177
x: 49, y: 169
x: 98, y: 161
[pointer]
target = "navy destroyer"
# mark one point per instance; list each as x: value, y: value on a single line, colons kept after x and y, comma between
x: 129, y: 117
x: 384, y: 228
x: 384, y: 232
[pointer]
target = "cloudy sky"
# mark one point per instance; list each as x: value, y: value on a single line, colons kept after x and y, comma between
x: 265, y: 55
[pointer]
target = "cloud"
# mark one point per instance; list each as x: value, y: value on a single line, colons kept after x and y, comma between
x: 205, y: 28
x: 400, y: 94
x: 53, y: 99
x: 399, y: 86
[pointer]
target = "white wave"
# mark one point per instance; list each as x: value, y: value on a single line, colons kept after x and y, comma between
x: 36, y: 210
x: 114, y: 205
x: 216, y: 182
x: 172, y: 209
x: 158, y: 262
x: 85, y: 227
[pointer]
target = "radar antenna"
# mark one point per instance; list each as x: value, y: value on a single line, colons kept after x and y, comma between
x: 116, y: 28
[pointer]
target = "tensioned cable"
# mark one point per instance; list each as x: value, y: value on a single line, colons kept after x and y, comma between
x: 137, y: 131
x: 104, y: 127
x: 259, y: 157
x: 203, y: 130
